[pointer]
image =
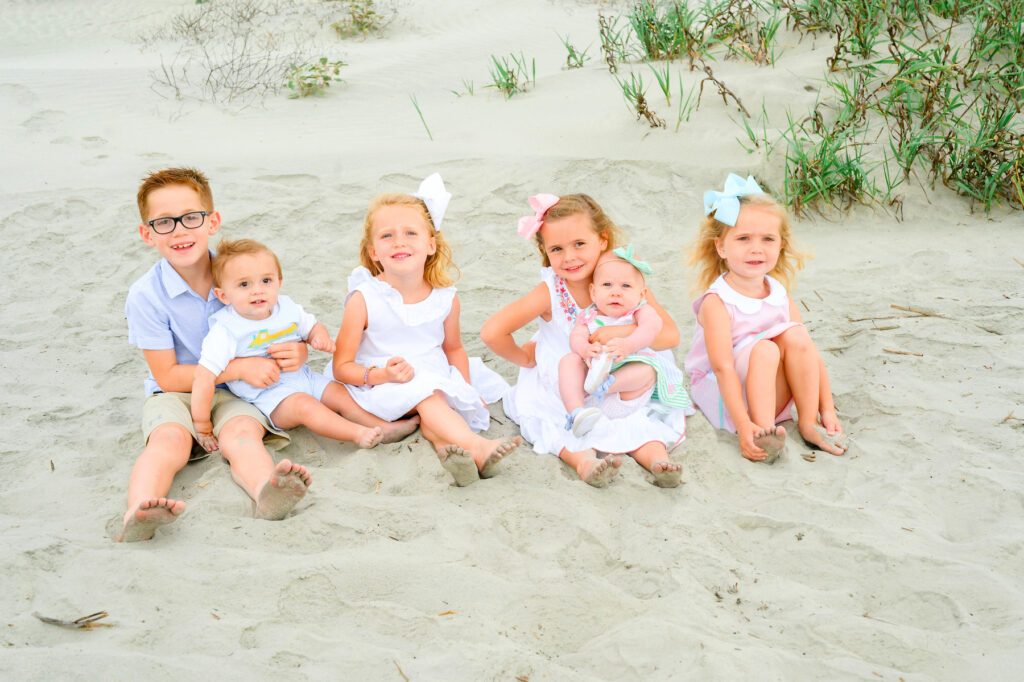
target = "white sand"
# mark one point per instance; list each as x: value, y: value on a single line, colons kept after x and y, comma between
x: 902, y: 560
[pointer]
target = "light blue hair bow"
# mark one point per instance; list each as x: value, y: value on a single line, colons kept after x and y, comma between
x: 626, y: 254
x: 726, y: 203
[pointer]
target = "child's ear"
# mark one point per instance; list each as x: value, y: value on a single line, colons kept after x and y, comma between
x: 433, y: 246
x: 146, y: 233
x: 213, y: 219
x: 372, y: 253
x: 221, y: 296
x: 719, y: 249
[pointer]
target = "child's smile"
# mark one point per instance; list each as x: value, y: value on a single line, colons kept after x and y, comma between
x: 402, y: 240
x: 751, y: 248
x: 250, y: 283
x: 572, y: 246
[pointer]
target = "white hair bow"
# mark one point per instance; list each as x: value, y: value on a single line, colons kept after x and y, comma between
x: 435, y: 196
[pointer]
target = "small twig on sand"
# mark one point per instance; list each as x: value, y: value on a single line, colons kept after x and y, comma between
x: 83, y: 623
x: 1018, y: 262
x: 1010, y: 416
x: 804, y: 305
x: 400, y: 670
x: 903, y: 352
x: 922, y: 313
x: 818, y: 295
x: 880, y: 317
x: 885, y: 329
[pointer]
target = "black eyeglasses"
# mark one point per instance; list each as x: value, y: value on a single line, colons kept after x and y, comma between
x: 189, y: 221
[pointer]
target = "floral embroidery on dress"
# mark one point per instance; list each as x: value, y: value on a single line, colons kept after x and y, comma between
x: 566, y: 301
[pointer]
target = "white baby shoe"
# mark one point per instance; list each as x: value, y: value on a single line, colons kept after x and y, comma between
x: 599, y: 369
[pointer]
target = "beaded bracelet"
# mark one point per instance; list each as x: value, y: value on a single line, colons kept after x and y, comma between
x: 366, y: 375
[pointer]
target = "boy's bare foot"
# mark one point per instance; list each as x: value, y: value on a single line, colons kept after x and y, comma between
x: 666, y: 473
x: 772, y: 441
x: 369, y: 437
x: 598, y: 472
x: 282, y: 491
x: 817, y: 437
x: 460, y: 464
x: 140, y: 523
x: 490, y: 466
x: 397, y: 430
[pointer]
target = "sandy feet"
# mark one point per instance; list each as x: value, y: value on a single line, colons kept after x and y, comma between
x: 392, y: 432
x: 142, y: 522
x: 283, y: 490
x: 497, y: 452
x: 459, y: 463
x: 369, y: 437
x: 772, y: 441
x: 666, y: 473
x: 817, y: 437
x: 598, y: 472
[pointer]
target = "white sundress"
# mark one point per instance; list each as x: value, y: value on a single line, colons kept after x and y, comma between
x: 415, y: 332
x: 536, y: 404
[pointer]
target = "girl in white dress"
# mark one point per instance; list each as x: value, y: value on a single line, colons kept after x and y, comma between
x: 399, y: 347
x: 571, y: 233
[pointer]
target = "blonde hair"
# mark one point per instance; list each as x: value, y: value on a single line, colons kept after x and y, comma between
x: 572, y: 204
x: 190, y: 177
x: 436, y: 269
x: 228, y: 249
x: 704, y: 257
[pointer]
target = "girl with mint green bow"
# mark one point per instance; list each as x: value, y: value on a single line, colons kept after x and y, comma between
x: 752, y: 361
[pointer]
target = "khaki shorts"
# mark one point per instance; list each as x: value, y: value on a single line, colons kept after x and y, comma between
x: 175, y: 408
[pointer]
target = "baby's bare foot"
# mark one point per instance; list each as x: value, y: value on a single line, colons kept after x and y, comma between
x: 599, y: 472
x: 490, y: 466
x: 140, y: 523
x: 397, y: 430
x: 460, y: 464
x: 282, y: 491
x: 772, y: 441
x: 816, y: 437
x: 369, y: 437
x: 666, y: 473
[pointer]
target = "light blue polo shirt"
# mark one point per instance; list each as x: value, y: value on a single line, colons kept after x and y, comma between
x: 164, y: 312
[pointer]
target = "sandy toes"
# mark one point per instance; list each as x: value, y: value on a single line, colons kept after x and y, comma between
x: 667, y: 474
x: 460, y: 464
x: 141, y: 523
x: 599, y: 472
x: 282, y: 491
x: 392, y: 432
x: 369, y: 437
x: 490, y: 465
x: 817, y: 437
x: 772, y: 441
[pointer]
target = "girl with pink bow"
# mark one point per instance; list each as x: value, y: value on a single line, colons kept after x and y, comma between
x: 752, y: 360
x: 399, y: 349
x: 571, y: 233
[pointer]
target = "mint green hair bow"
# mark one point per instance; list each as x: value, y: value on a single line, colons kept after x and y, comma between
x: 726, y: 204
x: 626, y: 254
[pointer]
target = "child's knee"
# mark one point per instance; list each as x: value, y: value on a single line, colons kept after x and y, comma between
x: 795, y: 339
x: 569, y: 362
x: 241, y: 427
x: 170, y: 439
x: 765, y: 352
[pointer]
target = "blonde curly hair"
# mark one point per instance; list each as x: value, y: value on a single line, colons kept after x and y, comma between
x: 703, y: 254
x: 436, y: 271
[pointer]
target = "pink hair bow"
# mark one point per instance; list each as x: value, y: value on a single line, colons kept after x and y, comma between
x: 540, y: 203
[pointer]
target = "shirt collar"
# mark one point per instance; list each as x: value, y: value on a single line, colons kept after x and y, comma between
x: 174, y: 284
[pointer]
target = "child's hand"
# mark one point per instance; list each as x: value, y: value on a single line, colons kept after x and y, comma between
x: 603, y: 335
x: 204, y: 434
x: 321, y: 340
x: 618, y: 348
x: 530, y: 348
x: 831, y: 422
x: 290, y: 357
x: 747, y: 447
x: 259, y: 372
x: 399, y: 371
x: 592, y: 351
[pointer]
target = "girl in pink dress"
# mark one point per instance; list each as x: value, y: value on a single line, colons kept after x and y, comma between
x: 752, y: 360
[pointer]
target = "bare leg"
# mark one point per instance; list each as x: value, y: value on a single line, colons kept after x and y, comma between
x: 592, y: 470
x: 252, y: 467
x: 443, y: 426
x: 571, y: 372
x: 166, y: 453
x: 633, y: 380
x: 304, y: 409
x: 337, y: 397
x: 653, y: 457
x: 282, y: 491
x: 762, y: 374
x: 802, y: 366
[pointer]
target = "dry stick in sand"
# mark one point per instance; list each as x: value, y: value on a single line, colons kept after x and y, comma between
x: 903, y: 352
x: 83, y: 623
x: 722, y: 90
x: 400, y: 670
x: 922, y: 313
x: 1010, y: 416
